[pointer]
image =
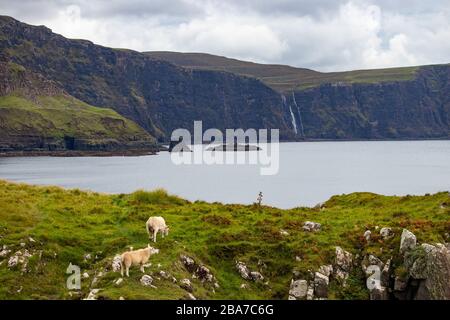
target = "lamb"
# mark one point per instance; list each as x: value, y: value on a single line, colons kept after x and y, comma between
x: 156, y: 224
x: 136, y: 257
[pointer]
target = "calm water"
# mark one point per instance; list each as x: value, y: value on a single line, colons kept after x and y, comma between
x: 309, y: 173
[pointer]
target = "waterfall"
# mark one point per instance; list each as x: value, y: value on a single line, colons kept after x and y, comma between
x: 294, y: 122
x: 299, y: 115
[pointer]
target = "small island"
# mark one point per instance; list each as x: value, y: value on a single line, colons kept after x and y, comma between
x: 234, y: 147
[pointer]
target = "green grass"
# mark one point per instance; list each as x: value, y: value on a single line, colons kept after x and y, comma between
x: 284, y: 78
x: 59, y: 116
x: 72, y: 223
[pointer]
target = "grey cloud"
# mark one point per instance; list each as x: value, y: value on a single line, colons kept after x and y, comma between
x: 319, y: 34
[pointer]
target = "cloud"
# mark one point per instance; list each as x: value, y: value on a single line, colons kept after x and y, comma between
x: 323, y: 35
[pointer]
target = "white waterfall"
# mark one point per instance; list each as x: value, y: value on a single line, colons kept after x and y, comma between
x: 299, y: 115
x: 294, y: 123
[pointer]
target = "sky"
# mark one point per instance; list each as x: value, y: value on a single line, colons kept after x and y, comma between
x: 325, y: 35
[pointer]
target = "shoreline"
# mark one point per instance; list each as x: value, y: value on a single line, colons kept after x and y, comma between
x: 78, y: 153
x: 163, y: 147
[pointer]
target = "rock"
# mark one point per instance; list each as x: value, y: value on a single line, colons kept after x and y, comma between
x: 191, y: 296
x: 87, y: 257
x: 23, y: 244
x: 20, y: 258
x: 146, y: 280
x: 326, y: 270
x: 435, y: 271
x: 371, y: 260
x: 386, y: 273
x: 408, y: 241
x: 344, y: 259
x: 341, y: 276
x: 118, y: 281
x: 386, y: 233
x: 367, y: 235
x: 284, y: 232
x: 243, y: 270
x: 310, y: 292
x: 204, y: 274
x: 186, y: 285
x: 216, y: 285
x: 85, y: 275
x: 116, y: 263
x: 256, y: 276
x: 298, y: 259
x: 13, y: 261
x: 298, y: 290
x: 399, y: 284
x: 320, y: 285
x: 174, y: 280
x: 379, y: 293
x: 311, y: 226
x: 31, y: 240
x: 244, y: 286
x: 4, y: 252
x: 164, y: 274
x: 121, y: 298
x: 189, y: 263
x: 93, y: 294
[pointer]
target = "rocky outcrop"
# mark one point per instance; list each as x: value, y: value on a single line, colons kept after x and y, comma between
x: 343, y: 265
x: 247, y: 274
x: 298, y: 290
x: 311, y: 226
x: 412, y: 109
x: 386, y: 233
x: 407, y: 241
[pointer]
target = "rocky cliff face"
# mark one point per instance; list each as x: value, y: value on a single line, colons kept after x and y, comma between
x: 161, y: 97
x: 37, y: 115
x: 419, y: 108
x: 157, y: 95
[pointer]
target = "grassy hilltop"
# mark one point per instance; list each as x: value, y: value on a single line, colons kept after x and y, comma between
x: 66, y: 225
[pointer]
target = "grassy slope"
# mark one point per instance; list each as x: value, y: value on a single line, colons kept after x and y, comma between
x: 281, y: 77
x: 72, y: 223
x: 62, y: 115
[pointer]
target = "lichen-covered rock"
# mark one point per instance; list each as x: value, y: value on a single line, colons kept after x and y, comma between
x: 371, y: 260
x: 407, y: 241
x: 93, y: 294
x: 189, y: 263
x: 367, y: 235
x: 243, y: 270
x: 326, y: 270
x: 298, y: 290
x: 321, y: 285
x: 344, y: 259
x: 204, y: 274
x: 186, y: 285
x: 256, y: 276
x: 435, y: 272
x: 146, y: 280
x: 116, y: 263
x: 386, y: 233
x: 311, y: 226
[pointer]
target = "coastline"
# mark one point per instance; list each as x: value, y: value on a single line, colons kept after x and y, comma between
x: 79, y: 153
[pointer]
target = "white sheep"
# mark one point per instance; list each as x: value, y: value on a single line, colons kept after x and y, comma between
x: 155, y: 225
x: 134, y: 258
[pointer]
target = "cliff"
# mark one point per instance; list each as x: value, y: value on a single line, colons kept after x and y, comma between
x: 165, y: 91
x: 37, y: 115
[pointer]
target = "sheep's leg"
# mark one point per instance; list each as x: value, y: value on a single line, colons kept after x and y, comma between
x: 121, y: 269
x: 128, y: 271
x: 155, y: 232
x: 142, y: 268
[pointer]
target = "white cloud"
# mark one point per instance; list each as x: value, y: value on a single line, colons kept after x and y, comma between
x: 323, y: 35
